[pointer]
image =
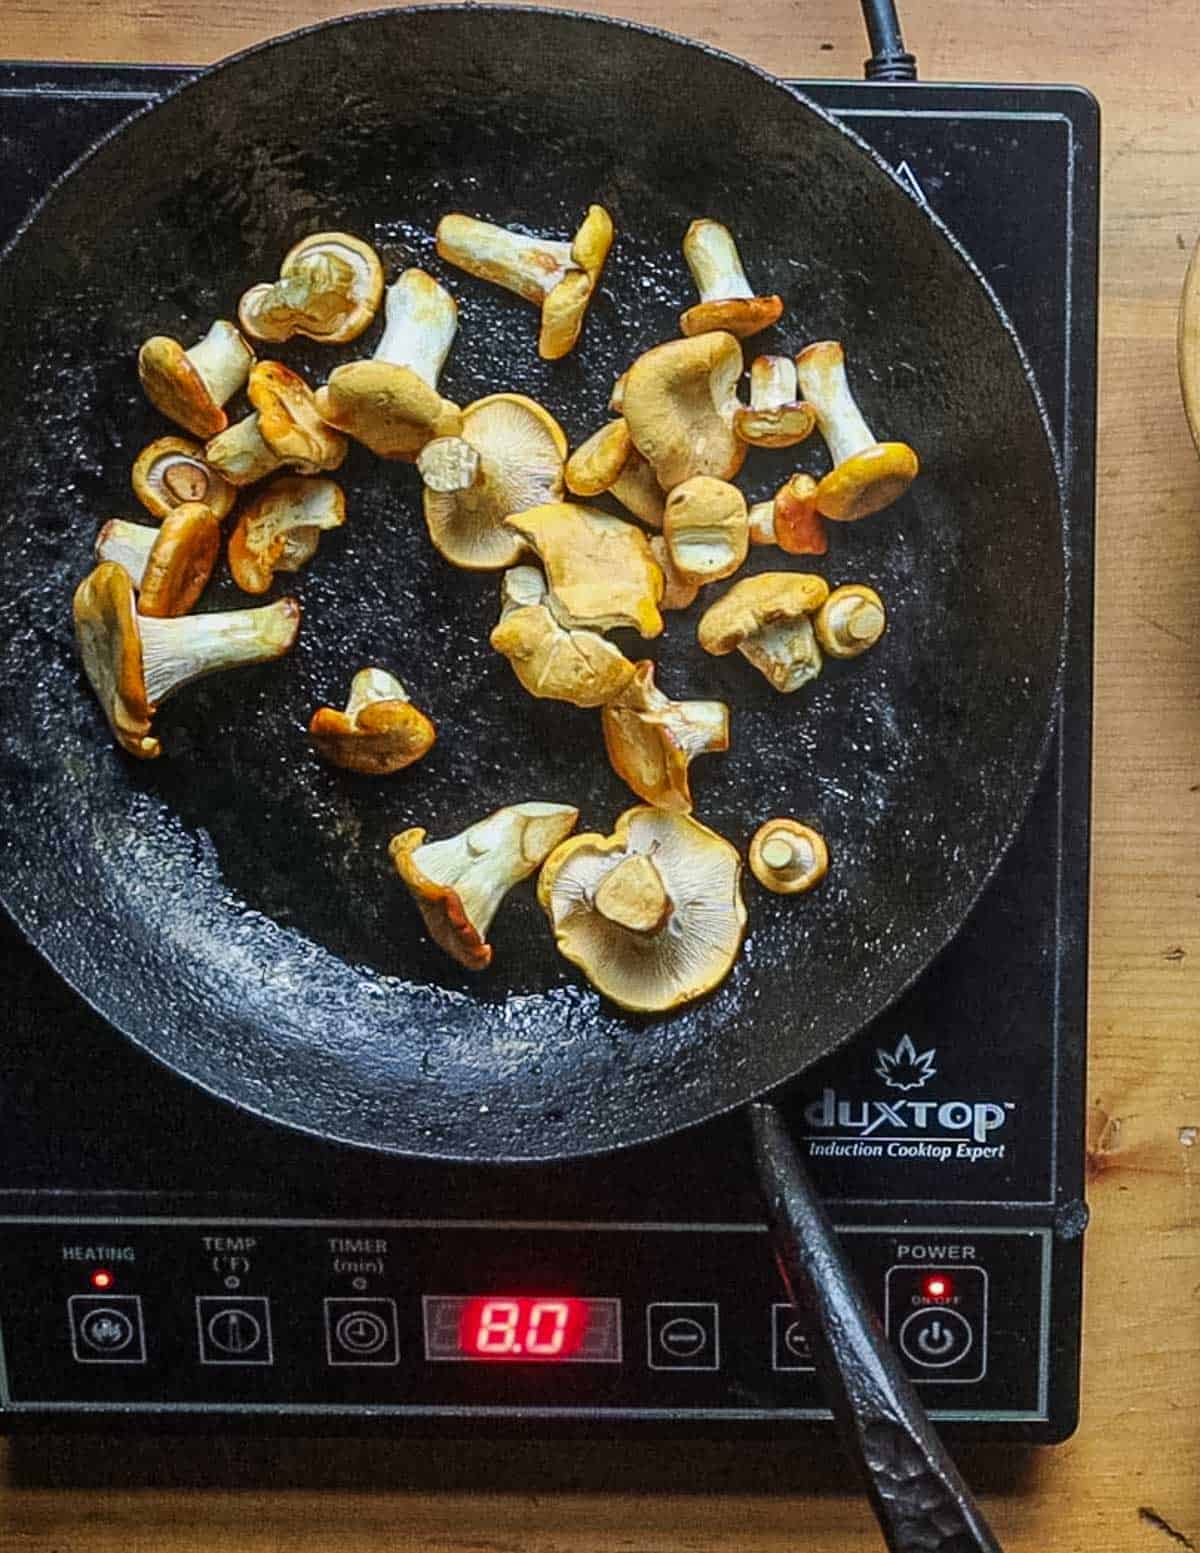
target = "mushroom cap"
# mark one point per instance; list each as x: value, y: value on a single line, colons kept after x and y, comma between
x: 867, y: 482
x: 678, y: 593
x: 600, y: 570
x: 707, y: 529
x: 780, y: 427
x: 181, y: 561
x: 760, y: 601
x: 174, y: 385
x: 388, y: 408
x: 788, y: 858
x: 171, y: 470
x: 851, y: 620
x: 280, y: 528
x: 648, y: 971
x: 458, y: 884
x: 597, y: 463
x: 552, y: 662
x: 379, y: 732
x: 742, y: 316
x: 679, y: 402
x: 564, y: 308
x: 799, y: 528
x: 651, y: 740
x: 343, y: 306
x: 521, y: 451
x: 106, y: 630
x: 288, y: 420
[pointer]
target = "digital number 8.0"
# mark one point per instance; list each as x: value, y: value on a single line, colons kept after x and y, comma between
x: 537, y: 1328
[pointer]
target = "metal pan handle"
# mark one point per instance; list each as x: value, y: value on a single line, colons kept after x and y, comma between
x: 919, y: 1498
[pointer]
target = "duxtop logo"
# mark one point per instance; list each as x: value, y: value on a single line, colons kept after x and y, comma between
x: 906, y: 1067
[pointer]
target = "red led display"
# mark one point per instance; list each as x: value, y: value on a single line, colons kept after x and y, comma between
x: 523, y: 1328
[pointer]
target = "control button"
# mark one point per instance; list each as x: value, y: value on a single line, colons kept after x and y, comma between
x: 234, y: 1330
x: 107, y: 1328
x: 683, y: 1336
x: 791, y: 1348
x: 936, y: 1338
x: 361, y: 1331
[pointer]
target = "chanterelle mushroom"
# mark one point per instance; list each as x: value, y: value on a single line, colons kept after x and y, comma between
x: 458, y: 884
x: 727, y: 300
x: 866, y: 475
x: 600, y: 570
x: 776, y: 418
x: 557, y: 277
x: 171, y: 471
x: 679, y: 403
x: 652, y: 914
x: 191, y: 386
x: 552, y: 662
x: 391, y: 402
x: 608, y: 461
x: 329, y: 289
x: 285, y: 431
x: 767, y: 619
x: 677, y: 592
x: 706, y: 529
x: 651, y: 740
x: 170, y: 565
x: 851, y: 620
x: 379, y: 732
x: 788, y: 858
x: 135, y: 663
x: 790, y: 519
x: 508, y: 458
x: 280, y: 529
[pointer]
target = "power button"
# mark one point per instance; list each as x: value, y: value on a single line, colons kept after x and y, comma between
x: 936, y: 1339
x: 938, y: 1318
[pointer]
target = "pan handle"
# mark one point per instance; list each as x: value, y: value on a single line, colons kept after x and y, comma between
x: 919, y: 1498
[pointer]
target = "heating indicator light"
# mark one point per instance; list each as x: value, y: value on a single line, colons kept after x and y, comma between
x: 101, y: 1279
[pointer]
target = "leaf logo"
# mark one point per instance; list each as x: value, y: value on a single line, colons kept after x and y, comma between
x: 905, y: 1068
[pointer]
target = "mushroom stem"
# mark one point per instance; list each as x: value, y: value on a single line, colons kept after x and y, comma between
x: 371, y: 685
x: 420, y: 322
x: 633, y: 896
x: 788, y: 856
x: 529, y: 266
x: 772, y: 382
x: 821, y: 376
x: 176, y: 652
x: 762, y: 523
x: 449, y: 464
x: 223, y: 360
x: 714, y: 261
x: 128, y: 544
x: 241, y: 453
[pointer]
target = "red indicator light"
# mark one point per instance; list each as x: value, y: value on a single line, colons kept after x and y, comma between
x: 102, y: 1279
x: 937, y: 1288
x: 520, y: 1327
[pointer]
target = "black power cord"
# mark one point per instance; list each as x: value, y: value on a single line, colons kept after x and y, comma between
x: 889, y: 60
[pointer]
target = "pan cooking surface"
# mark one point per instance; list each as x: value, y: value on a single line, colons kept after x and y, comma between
x: 232, y: 906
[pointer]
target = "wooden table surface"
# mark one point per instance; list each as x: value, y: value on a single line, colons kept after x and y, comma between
x: 1129, y: 1479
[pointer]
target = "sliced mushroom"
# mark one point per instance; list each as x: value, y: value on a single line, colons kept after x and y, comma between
x: 766, y: 618
x: 600, y: 570
x: 679, y: 402
x: 379, y: 732
x: 608, y: 461
x: 329, y: 288
x: 508, y: 458
x: 458, y: 884
x: 617, y: 398
x: 285, y: 432
x: 191, y: 386
x: 552, y: 662
x: 776, y: 418
x: 652, y: 914
x: 727, y: 300
x: 851, y: 620
x: 677, y: 592
x: 134, y: 663
x: 866, y: 475
x: 171, y: 471
x: 557, y: 277
x: 652, y: 740
x: 391, y: 403
x: 707, y: 529
x: 790, y: 519
x: 788, y: 858
x: 170, y: 565
x: 280, y: 529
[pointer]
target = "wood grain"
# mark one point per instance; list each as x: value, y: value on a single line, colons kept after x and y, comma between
x: 1128, y: 1480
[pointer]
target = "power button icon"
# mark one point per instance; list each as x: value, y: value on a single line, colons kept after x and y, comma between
x: 935, y: 1338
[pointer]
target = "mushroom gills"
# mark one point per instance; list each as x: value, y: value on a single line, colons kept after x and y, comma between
x: 786, y: 652
x: 175, y: 653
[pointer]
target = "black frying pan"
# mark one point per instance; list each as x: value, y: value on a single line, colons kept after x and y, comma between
x: 231, y: 907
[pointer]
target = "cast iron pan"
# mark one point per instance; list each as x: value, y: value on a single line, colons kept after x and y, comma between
x: 231, y: 907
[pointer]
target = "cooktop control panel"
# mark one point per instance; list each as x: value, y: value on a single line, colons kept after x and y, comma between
x: 649, y: 1321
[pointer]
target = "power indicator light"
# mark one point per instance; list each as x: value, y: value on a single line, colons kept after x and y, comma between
x: 101, y: 1279
x: 938, y: 1288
